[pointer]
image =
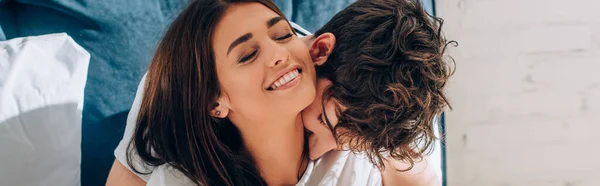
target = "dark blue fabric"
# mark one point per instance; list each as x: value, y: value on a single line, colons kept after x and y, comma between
x: 5, y: 17
x: 2, y: 36
x: 121, y: 36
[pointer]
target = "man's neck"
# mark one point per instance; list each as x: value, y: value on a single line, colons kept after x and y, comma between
x: 279, y: 153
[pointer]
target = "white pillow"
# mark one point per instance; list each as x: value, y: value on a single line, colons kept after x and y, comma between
x: 42, y: 80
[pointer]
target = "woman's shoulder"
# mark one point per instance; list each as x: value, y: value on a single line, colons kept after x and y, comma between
x: 341, y: 168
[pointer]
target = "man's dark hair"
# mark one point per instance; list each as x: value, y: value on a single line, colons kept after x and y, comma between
x: 388, y: 69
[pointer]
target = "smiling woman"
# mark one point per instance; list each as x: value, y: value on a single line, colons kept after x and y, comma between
x: 222, y: 99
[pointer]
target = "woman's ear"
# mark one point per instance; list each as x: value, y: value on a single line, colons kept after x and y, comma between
x: 322, y: 47
x: 220, y: 108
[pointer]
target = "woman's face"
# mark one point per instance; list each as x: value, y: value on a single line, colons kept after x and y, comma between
x: 265, y: 72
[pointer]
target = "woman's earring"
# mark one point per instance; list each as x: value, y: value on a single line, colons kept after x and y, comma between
x: 218, y: 113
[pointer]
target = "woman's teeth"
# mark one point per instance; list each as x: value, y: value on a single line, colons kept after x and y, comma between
x: 285, y: 79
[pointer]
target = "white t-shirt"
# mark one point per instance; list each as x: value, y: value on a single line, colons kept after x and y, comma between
x: 335, y: 168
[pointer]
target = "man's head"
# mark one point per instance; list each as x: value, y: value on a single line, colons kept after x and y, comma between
x: 386, y: 67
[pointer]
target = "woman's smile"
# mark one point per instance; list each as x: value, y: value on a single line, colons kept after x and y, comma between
x: 287, y: 80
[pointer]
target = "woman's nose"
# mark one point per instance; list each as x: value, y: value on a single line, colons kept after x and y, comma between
x: 280, y: 56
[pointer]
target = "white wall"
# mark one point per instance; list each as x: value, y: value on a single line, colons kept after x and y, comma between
x: 526, y: 93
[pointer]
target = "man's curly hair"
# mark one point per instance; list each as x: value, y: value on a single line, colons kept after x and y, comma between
x: 389, y: 70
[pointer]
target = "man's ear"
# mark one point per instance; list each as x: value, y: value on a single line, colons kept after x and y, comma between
x: 322, y: 47
x: 220, y: 108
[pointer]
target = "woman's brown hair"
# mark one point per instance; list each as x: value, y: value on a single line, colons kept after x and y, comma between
x: 174, y: 124
x: 388, y: 69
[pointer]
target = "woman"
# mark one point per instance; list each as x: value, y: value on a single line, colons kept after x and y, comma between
x: 226, y: 73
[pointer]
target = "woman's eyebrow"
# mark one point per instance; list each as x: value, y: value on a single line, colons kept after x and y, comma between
x: 274, y: 21
x: 239, y: 41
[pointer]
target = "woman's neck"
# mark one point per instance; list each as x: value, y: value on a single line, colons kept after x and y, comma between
x: 279, y: 153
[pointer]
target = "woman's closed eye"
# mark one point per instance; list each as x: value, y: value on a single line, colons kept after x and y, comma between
x: 289, y: 35
x: 248, y: 57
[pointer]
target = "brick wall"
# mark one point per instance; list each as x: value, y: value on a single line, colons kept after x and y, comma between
x: 526, y: 93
